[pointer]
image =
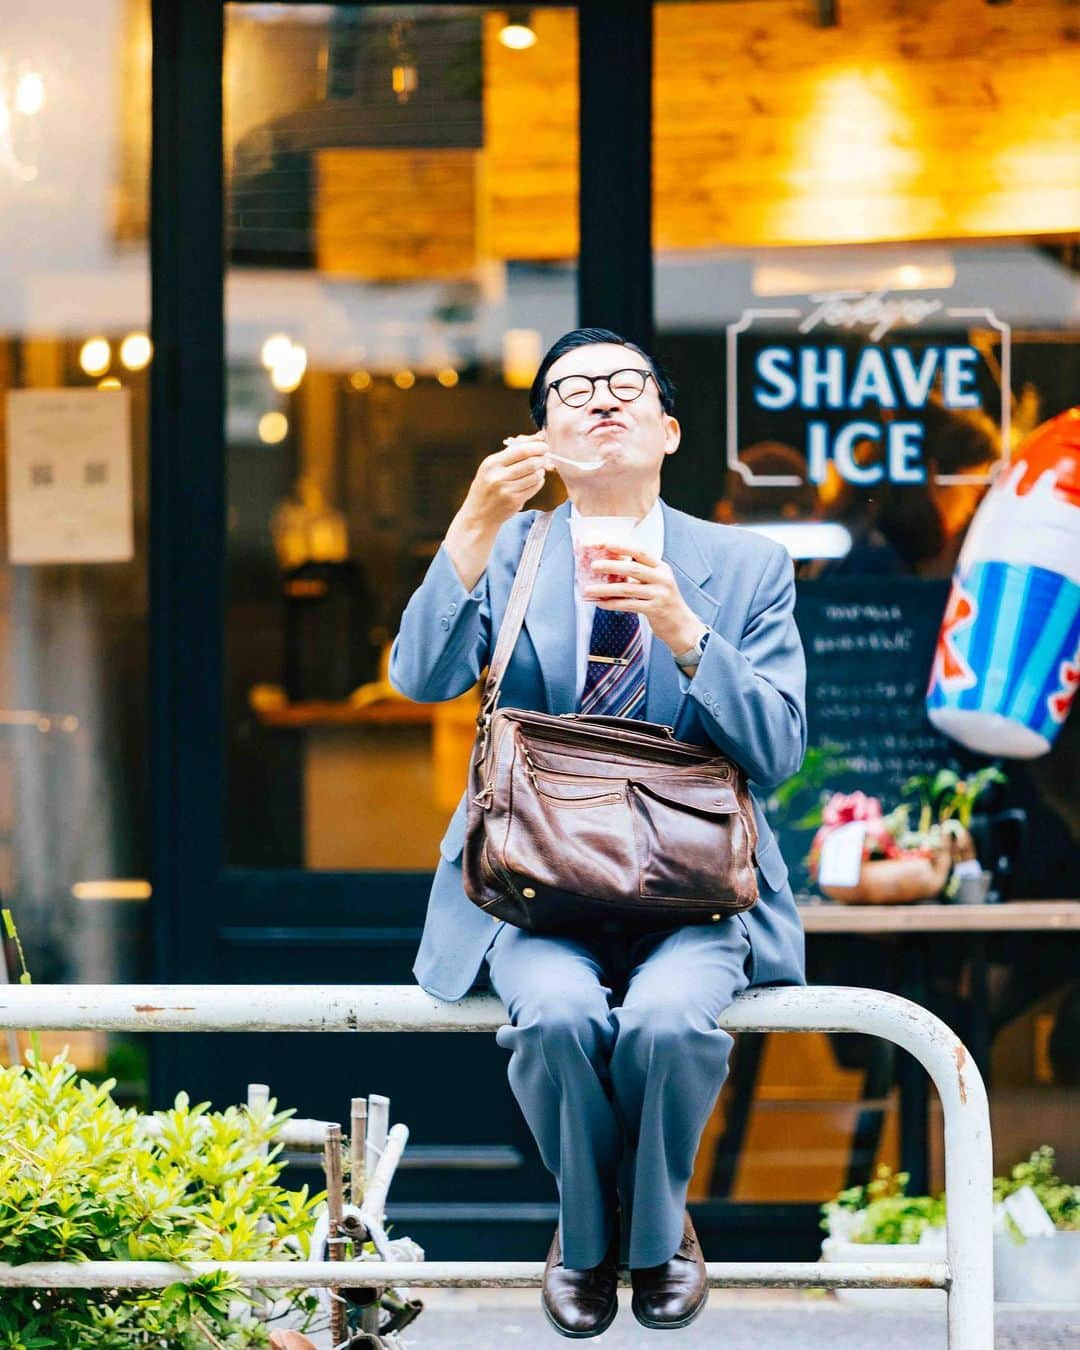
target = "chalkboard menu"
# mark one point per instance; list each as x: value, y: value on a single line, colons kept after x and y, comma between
x: 869, y: 646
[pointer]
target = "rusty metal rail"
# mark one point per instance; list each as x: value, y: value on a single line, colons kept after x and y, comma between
x: 966, y: 1275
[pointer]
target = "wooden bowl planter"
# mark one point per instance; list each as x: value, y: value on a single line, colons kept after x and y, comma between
x: 897, y: 881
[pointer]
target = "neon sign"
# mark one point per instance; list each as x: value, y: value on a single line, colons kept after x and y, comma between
x: 825, y: 378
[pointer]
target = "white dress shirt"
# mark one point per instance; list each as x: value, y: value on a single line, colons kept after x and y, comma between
x: 649, y: 537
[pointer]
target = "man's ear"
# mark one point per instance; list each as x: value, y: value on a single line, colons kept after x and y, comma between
x: 672, y: 434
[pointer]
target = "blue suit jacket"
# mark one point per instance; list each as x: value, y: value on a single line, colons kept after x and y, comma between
x: 746, y: 699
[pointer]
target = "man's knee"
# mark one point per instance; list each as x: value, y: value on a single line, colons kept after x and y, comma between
x: 568, y: 1022
x: 667, y: 1025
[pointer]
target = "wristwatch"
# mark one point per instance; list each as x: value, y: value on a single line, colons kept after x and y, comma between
x: 692, y: 656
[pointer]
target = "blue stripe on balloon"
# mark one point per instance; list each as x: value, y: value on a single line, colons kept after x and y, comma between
x: 1006, y: 647
x: 1039, y: 597
x: 1043, y: 721
x: 976, y: 637
x: 1045, y: 655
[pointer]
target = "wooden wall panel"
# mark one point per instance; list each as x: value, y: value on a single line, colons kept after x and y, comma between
x: 912, y: 119
x: 391, y: 215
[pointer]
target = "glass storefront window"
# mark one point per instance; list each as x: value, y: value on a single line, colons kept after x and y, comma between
x: 866, y: 289
x: 74, y: 368
x: 394, y: 278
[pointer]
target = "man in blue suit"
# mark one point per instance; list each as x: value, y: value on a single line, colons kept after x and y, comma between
x: 617, y: 1059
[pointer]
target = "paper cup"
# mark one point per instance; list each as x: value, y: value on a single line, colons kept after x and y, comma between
x: 599, y: 537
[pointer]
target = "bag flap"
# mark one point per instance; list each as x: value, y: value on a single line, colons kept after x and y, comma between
x: 712, y: 796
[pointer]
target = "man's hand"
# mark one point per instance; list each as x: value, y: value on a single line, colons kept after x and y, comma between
x: 650, y: 588
x: 504, y: 481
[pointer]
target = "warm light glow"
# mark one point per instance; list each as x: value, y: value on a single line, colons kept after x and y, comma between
x: 806, y: 538
x: 360, y: 380
x: 805, y: 271
x: 857, y: 145
x: 29, y: 94
x: 448, y: 377
x: 275, y: 349
x: 404, y: 379
x: 112, y: 890
x: 517, y: 36
x: 273, y: 428
x: 95, y: 356
x: 288, y: 370
x: 405, y: 81
x: 136, y: 351
x: 110, y: 382
x: 521, y: 356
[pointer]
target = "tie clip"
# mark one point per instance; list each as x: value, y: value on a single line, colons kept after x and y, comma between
x: 611, y: 660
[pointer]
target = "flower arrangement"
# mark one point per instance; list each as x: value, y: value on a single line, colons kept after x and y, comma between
x: 901, y: 861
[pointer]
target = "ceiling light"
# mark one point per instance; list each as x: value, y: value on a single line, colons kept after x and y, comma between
x: 274, y: 348
x: 273, y: 428
x: 518, y: 33
x: 95, y: 356
x: 136, y: 351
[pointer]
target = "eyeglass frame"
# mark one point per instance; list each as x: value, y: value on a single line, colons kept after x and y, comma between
x: 595, y: 379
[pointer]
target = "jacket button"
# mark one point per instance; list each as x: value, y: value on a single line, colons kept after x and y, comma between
x: 715, y: 917
x: 452, y: 607
x: 445, y: 623
x: 708, y: 700
x: 528, y: 892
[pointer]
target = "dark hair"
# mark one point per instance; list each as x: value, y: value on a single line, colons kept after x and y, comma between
x: 589, y: 337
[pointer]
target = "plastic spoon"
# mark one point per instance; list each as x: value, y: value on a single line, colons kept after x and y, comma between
x: 585, y: 464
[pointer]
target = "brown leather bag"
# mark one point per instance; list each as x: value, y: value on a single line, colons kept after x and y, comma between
x: 586, y: 822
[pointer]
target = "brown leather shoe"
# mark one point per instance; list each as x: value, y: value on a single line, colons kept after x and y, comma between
x: 580, y: 1303
x: 674, y: 1292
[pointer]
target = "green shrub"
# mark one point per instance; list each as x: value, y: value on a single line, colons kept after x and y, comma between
x: 1060, y: 1200
x: 886, y: 1213
x: 82, y: 1178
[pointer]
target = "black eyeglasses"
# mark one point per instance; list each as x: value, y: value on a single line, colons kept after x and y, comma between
x: 627, y: 385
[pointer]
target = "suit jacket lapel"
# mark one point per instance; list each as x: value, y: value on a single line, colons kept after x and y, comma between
x: 550, y: 605
x: 691, y: 570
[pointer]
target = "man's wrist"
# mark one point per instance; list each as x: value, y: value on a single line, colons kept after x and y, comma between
x: 688, y: 657
x: 688, y: 635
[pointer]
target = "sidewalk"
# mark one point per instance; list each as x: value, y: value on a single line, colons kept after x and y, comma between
x: 469, y: 1319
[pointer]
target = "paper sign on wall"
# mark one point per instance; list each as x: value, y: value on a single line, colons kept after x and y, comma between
x: 69, y: 476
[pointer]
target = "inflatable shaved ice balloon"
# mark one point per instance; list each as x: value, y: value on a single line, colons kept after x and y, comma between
x: 1007, y: 663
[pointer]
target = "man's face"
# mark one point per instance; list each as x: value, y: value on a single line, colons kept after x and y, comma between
x: 630, y: 438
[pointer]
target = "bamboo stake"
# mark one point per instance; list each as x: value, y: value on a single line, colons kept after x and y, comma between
x: 357, y: 1144
x: 334, y: 1202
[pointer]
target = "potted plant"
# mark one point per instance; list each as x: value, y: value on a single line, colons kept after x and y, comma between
x: 1043, y: 1268
x: 899, y: 864
x: 881, y: 1222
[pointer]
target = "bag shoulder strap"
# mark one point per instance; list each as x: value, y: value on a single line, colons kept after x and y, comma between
x: 527, y: 568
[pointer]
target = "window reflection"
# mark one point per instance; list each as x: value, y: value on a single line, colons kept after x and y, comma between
x: 390, y: 292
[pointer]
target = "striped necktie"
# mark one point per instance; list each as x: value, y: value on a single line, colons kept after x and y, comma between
x: 615, y: 674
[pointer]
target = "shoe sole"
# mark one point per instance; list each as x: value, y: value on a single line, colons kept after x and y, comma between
x: 667, y: 1326
x: 598, y: 1330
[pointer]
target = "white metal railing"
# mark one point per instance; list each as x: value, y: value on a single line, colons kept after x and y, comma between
x: 966, y: 1274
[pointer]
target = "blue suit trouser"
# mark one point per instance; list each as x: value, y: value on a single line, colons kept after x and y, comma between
x: 616, y: 1063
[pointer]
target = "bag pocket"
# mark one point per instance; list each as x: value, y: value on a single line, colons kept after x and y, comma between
x: 691, y: 839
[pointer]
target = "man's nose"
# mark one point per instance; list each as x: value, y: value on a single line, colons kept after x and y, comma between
x: 602, y: 400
